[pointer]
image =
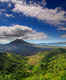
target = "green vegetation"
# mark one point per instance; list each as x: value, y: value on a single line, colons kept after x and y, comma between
x: 47, y: 65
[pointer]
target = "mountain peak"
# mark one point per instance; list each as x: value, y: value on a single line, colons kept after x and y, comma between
x: 18, y: 41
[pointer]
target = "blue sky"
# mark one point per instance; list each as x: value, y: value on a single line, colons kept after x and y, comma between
x: 40, y: 21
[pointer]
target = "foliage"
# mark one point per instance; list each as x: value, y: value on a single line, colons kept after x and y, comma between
x: 47, y: 65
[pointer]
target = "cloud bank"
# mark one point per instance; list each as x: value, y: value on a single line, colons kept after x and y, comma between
x: 51, y: 16
x: 56, y: 17
x: 21, y: 32
x: 62, y: 28
x: 63, y: 36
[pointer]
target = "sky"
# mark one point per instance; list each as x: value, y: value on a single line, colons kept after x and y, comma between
x: 35, y: 21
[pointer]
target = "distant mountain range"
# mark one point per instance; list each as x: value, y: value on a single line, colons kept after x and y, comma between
x: 59, y: 44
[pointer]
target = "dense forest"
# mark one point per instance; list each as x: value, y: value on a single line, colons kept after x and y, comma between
x: 47, y: 65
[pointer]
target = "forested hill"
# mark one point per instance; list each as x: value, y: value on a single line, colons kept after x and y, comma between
x: 47, y: 65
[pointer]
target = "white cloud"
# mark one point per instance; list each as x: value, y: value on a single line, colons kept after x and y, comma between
x: 51, y: 16
x: 43, y: 2
x: 35, y: 36
x: 63, y: 36
x: 23, y: 32
x: 62, y: 28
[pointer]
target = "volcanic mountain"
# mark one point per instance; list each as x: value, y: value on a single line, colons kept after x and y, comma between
x: 19, y: 46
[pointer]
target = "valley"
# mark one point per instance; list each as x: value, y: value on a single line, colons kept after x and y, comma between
x: 46, y: 65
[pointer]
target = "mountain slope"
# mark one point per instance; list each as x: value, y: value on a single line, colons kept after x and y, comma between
x: 48, y: 65
x: 21, y: 47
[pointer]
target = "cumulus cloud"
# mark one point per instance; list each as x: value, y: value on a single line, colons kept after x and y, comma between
x: 51, y: 16
x: 55, y: 16
x: 42, y: 2
x: 22, y: 32
x: 62, y: 28
x: 35, y: 36
x: 63, y: 36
